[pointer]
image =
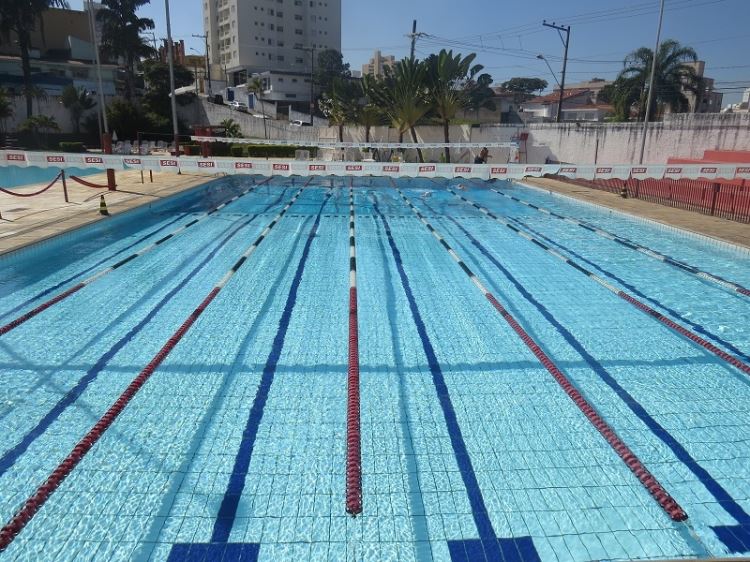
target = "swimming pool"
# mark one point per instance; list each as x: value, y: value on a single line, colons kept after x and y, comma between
x: 12, y: 176
x: 530, y: 389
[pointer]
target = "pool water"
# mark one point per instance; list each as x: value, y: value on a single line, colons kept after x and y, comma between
x: 13, y: 176
x: 235, y: 447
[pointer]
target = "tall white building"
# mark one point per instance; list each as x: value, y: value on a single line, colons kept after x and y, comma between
x: 270, y: 37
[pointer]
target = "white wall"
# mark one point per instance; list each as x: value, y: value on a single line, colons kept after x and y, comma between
x: 51, y: 107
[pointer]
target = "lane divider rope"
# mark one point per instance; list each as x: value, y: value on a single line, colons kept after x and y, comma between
x: 695, y: 338
x: 649, y: 481
x: 645, y: 250
x: 101, y: 273
x: 32, y: 505
x: 353, y: 429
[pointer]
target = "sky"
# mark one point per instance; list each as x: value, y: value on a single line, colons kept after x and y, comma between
x: 507, y: 36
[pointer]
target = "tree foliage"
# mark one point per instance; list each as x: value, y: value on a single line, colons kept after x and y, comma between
x: 43, y: 124
x: 340, y: 104
x: 231, y: 128
x: 22, y: 17
x: 671, y: 79
x: 121, y: 36
x: 6, y: 108
x: 329, y: 67
x: 77, y: 102
x: 524, y: 88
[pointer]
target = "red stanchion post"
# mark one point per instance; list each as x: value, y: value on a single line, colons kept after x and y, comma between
x: 107, y: 149
x: 65, y: 186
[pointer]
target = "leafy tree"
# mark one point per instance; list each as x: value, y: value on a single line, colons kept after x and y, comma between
x: 340, y: 103
x: 369, y: 116
x: 524, y: 88
x: 402, y: 95
x: 121, y: 35
x: 126, y: 118
x: 449, y: 81
x: 329, y: 66
x: 77, y: 102
x: 6, y: 108
x: 671, y: 79
x: 231, y: 128
x: 43, y: 124
x: 21, y: 17
x: 157, y: 103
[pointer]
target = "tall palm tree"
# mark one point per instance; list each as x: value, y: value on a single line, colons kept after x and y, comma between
x: 255, y: 87
x: 40, y: 124
x: 77, y: 102
x: 449, y: 85
x: 402, y: 95
x: 6, y: 109
x: 21, y: 18
x: 672, y: 78
x: 121, y: 36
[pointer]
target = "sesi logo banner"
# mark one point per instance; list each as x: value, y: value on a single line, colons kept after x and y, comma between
x: 743, y: 170
x: 568, y: 170
x: 132, y: 161
x: 93, y: 160
x: 168, y: 163
x: 533, y: 169
x: 499, y: 171
x: 16, y: 157
x: 709, y: 170
x: 673, y: 171
x: 462, y: 170
x: 283, y: 167
x: 391, y: 168
x: 638, y: 170
x: 426, y: 169
x: 355, y: 168
x: 604, y: 170
x: 55, y: 158
x: 243, y: 165
x: 317, y: 167
x: 206, y: 164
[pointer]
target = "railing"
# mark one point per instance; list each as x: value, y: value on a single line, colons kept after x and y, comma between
x: 725, y: 199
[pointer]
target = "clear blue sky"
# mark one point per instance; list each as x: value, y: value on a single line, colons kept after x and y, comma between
x: 507, y: 36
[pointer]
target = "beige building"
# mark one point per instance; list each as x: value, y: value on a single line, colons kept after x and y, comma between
x: 377, y: 64
x: 249, y: 37
x: 707, y: 100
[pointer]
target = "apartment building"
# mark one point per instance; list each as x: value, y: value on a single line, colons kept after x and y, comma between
x: 275, y: 37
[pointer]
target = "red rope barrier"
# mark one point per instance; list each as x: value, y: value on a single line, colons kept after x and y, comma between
x: 57, y: 177
x: 87, y: 183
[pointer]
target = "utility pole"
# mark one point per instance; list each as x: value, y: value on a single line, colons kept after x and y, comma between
x: 208, y: 67
x: 312, y: 79
x: 414, y: 36
x: 566, y: 42
x: 170, y: 58
x: 651, y: 82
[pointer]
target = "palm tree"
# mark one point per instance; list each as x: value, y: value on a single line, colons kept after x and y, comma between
x: 369, y: 116
x: 121, y: 35
x: 77, y: 102
x: 255, y: 87
x: 672, y: 78
x: 6, y: 109
x: 231, y: 128
x: 402, y: 96
x: 21, y: 17
x: 449, y: 80
x: 40, y: 124
x: 340, y: 104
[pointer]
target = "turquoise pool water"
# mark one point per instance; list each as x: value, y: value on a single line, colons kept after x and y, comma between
x: 12, y: 176
x: 235, y: 448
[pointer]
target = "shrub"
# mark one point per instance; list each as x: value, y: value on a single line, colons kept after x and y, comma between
x: 237, y: 151
x: 191, y: 149
x: 72, y: 147
x: 220, y: 148
x: 277, y: 151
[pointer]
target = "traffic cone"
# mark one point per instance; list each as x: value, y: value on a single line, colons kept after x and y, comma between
x: 103, y: 207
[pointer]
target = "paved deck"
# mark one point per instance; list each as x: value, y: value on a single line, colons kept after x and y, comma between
x: 722, y: 229
x: 26, y: 220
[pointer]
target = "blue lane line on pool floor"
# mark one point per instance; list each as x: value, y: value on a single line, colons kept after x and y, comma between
x: 735, y: 537
x: 673, y: 313
x: 488, y: 547
x: 219, y: 547
x: 47, y: 291
x: 11, y: 456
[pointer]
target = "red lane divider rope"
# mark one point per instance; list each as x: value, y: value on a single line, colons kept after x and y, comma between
x: 87, y: 183
x: 16, y: 194
x: 101, y: 273
x: 353, y: 429
x: 32, y: 505
x: 695, y: 338
x: 636, y: 466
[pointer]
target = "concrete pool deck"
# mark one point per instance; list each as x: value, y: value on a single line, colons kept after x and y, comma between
x: 721, y: 229
x: 26, y: 220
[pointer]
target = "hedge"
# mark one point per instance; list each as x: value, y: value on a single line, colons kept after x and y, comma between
x: 276, y: 151
x: 72, y: 147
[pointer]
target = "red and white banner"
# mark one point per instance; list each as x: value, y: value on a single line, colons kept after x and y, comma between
x: 197, y: 164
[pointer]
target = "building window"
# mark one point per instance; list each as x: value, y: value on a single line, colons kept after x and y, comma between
x: 294, y: 80
x: 297, y: 17
x: 300, y: 60
x: 279, y: 28
x: 291, y: 95
x: 280, y: 80
x: 280, y: 58
x: 298, y: 32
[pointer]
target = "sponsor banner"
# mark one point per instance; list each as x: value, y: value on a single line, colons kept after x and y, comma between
x: 426, y: 170
x: 742, y: 172
x: 673, y: 172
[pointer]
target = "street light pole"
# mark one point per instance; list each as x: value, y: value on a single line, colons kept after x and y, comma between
x: 312, y: 82
x: 566, y: 42
x: 208, y: 66
x: 552, y: 72
x: 651, y: 83
x: 170, y: 58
